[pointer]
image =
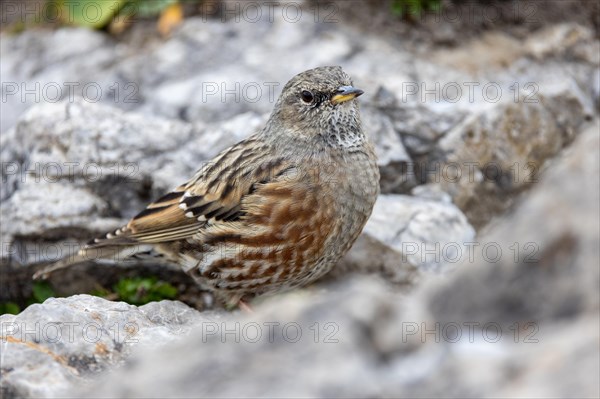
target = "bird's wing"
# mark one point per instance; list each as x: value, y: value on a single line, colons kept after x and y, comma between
x: 214, y: 194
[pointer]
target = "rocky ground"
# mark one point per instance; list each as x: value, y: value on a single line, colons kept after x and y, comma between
x: 477, y: 274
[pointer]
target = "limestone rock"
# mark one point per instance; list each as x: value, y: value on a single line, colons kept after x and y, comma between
x: 52, y: 346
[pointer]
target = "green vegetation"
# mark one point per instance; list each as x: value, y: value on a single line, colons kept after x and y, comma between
x: 40, y: 291
x: 9, y: 308
x: 141, y: 290
x: 414, y: 8
x: 98, y: 14
x: 136, y: 291
x: 90, y: 13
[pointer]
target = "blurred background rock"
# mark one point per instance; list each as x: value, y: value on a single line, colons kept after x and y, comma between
x: 485, y: 119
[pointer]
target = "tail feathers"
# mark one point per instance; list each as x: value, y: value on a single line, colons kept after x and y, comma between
x: 86, y: 254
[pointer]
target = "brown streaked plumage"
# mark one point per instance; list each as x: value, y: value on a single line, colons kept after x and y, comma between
x: 274, y: 211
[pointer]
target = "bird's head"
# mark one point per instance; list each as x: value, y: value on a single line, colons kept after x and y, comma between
x: 319, y: 104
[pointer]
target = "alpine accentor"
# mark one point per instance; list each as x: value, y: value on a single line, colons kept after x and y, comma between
x: 272, y: 212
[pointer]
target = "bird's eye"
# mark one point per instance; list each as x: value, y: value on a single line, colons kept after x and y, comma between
x: 307, y: 96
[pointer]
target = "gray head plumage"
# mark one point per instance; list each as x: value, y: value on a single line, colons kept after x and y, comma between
x: 317, y: 105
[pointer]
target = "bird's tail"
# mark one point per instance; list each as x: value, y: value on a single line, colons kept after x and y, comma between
x: 113, y: 253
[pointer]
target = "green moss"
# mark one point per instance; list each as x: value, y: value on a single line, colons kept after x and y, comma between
x: 136, y: 291
x: 141, y: 290
x: 9, y: 308
x: 41, y: 291
x: 414, y: 8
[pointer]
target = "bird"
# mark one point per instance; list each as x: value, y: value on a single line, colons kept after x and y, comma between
x: 271, y: 213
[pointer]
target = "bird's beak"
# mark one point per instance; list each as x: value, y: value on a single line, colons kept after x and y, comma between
x: 345, y: 93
